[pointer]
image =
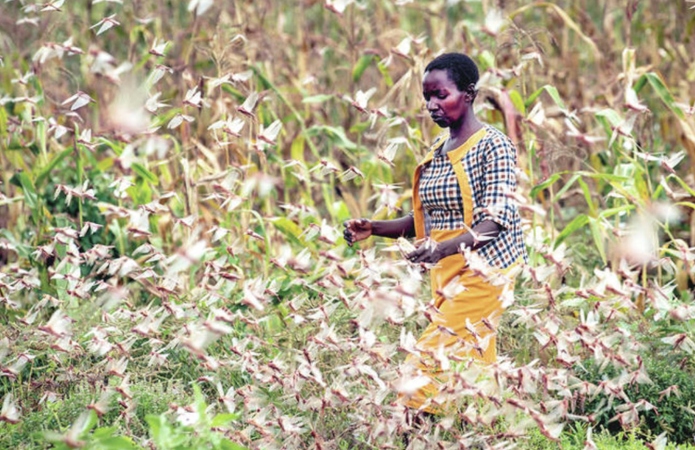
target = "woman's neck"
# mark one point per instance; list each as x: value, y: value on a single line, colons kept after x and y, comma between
x: 460, y: 134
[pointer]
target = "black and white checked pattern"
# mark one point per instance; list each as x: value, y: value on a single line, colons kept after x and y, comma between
x: 490, y: 167
x: 440, y: 195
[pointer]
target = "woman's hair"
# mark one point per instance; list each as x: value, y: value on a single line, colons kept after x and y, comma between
x: 461, y: 69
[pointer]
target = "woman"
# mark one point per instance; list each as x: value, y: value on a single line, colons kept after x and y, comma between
x: 461, y: 202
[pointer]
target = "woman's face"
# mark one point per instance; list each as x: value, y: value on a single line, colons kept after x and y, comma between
x: 446, y: 104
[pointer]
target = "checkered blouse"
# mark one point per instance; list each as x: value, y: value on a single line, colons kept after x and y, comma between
x: 489, y: 166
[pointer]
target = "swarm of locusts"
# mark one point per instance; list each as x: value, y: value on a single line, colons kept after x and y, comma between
x: 154, y: 235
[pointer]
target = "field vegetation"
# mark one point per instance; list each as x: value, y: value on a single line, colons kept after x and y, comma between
x: 173, y: 179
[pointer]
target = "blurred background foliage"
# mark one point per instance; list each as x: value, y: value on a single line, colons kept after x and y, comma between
x: 308, y: 63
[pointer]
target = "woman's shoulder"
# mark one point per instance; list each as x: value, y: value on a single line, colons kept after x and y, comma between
x: 496, y: 139
x: 494, y: 134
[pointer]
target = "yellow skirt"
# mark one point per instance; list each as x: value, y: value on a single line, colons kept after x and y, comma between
x: 464, y: 325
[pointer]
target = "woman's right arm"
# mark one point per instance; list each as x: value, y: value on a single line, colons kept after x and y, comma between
x: 402, y: 227
x: 359, y: 229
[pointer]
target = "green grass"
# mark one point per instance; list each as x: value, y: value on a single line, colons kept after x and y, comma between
x: 575, y: 439
x: 149, y: 398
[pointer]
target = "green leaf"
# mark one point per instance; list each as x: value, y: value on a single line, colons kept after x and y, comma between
x: 34, y: 148
x: 104, y: 437
x: 605, y: 177
x: 517, y: 101
x: 105, y: 164
x: 321, y: 98
x: 22, y: 180
x: 545, y: 184
x: 273, y: 325
x: 664, y: 94
x: 103, y: 432
x: 639, y: 84
x: 566, y: 187
x: 140, y: 193
x: 41, y: 136
x: 297, y: 149
x: 611, y: 115
x: 360, y: 127
x: 223, y: 419
x: 264, y: 81
x: 3, y: 122
x: 116, y: 147
x: 117, y: 443
x: 238, y: 95
x: 15, y: 144
x: 587, y: 197
x: 164, y: 435
x: 46, y: 281
x: 23, y: 250
x: 200, y: 404
x: 90, y: 422
x: 144, y: 173
x: 610, y: 212
x: 686, y: 204
x: 486, y: 59
x: 361, y: 66
x: 579, y: 222
x: 608, y: 119
x: 341, y: 211
x: 329, y: 200
x: 683, y: 184
x: 289, y: 229
x: 56, y: 440
x: 157, y: 424
x: 336, y: 134
x: 226, y: 444
x: 385, y: 73
x: 596, y: 232
x: 552, y: 91
x: 46, y: 170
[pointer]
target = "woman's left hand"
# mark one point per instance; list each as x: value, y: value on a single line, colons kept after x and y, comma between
x: 428, y: 253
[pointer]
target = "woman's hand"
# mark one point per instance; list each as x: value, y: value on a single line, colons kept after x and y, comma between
x: 357, y: 230
x: 428, y: 253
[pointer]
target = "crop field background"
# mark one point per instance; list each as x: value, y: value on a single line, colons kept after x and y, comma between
x: 173, y: 180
